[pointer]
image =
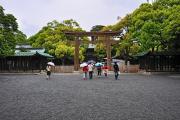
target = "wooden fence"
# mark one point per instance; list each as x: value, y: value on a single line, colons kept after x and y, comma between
x: 160, y: 62
x: 22, y: 64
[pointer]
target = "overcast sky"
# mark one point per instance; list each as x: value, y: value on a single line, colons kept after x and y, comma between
x: 32, y: 15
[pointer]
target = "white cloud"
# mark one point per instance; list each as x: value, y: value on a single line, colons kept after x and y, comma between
x: 34, y: 14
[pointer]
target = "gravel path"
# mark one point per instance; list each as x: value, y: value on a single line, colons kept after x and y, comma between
x: 68, y: 97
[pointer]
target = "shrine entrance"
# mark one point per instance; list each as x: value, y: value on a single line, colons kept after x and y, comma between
x: 107, y: 40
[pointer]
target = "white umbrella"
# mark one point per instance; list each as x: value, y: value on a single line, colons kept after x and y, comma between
x: 83, y: 64
x: 51, y: 63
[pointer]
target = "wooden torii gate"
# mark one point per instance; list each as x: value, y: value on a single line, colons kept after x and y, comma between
x: 107, y: 40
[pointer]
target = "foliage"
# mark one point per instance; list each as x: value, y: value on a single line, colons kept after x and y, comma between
x: 53, y: 39
x: 97, y: 28
x: 8, y: 30
x: 151, y: 27
x: 20, y: 38
x: 100, y: 50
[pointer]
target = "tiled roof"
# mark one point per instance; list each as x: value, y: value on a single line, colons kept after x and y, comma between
x: 33, y: 54
x: 141, y: 54
x: 44, y: 54
x: 24, y: 54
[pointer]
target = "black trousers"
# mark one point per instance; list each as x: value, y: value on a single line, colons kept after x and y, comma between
x: 116, y: 74
x: 99, y: 72
x: 90, y: 74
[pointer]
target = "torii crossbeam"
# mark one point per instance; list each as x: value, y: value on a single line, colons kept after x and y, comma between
x: 108, y: 43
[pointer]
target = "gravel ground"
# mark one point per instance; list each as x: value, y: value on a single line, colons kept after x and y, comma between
x: 68, y: 97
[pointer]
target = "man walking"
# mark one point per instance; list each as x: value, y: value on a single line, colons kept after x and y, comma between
x: 116, y: 70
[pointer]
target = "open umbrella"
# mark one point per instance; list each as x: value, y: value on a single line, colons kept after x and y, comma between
x: 51, y: 63
x: 83, y: 64
x: 98, y: 64
x: 91, y: 61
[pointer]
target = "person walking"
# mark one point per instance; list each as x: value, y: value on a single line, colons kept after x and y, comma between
x: 99, y: 70
x: 90, y: 69
x: 48, y: 69
x: 85, y: 70
x: 105, y: 69
x: 116, y: 70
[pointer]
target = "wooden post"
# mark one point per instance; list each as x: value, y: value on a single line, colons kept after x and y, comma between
x: 76, y: 55
x: 108, y: 51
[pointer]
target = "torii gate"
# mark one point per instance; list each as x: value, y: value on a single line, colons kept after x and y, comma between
x: 108, y: 42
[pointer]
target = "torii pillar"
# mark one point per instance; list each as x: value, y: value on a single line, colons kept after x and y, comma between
x: 108, y: 51
x: 76, y: 54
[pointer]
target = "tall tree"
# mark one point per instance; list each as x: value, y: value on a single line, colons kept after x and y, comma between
x: 52, y: 38
x: 8, y: 30
x: 21, y: 38
x: 154, y: 27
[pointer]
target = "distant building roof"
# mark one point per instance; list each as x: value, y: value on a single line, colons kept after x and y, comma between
x: 28, y: 50
x: 141, y: 54
x: 157, y: 53
x: 33, y: 54
x: 23, y: 46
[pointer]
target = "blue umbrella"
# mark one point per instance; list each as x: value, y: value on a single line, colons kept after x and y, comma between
x: 98, y: 64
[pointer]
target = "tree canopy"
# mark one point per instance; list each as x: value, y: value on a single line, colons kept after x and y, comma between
x: 53, y: 39
x: 97, y: 28
x: 151, y: 27
x: 9, y: 33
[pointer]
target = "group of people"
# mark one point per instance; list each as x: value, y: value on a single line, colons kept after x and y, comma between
x: 89, y: 69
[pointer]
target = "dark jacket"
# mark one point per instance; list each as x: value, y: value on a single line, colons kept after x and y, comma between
x: 116, y: 68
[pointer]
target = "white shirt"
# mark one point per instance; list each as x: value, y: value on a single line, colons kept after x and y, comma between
x: 48, y: 68
x: 90, y: 67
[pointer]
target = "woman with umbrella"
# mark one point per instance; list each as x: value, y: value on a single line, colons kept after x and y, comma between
x: 90, y: 69
x: 48, y: 69
x: 99, y: 69
x: 85, y: 70
x: 105, y: 69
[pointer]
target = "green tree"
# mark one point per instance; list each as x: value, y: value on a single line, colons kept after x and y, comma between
x: 100, y: 50
x: 53, y: 39
x: 151, y: 27
x: 154, y: 27
x: 150, y: 37
x: 8, y: 30
x: 20, y: 38
x: 126, y: 44
x: 171, y: 29
x: 97, y: 28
